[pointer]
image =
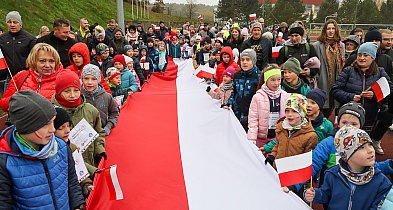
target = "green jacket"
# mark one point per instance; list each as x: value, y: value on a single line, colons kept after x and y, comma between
x: 91, y: 114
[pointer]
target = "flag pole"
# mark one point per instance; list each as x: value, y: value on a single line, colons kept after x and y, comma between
x: 311, y: 189
x: 12, y: 78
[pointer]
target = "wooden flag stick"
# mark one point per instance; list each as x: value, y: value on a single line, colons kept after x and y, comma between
x: 311, y: 189
x: 12, y: 78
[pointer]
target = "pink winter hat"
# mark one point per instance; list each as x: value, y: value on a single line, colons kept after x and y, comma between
x: 244, y: 32
x: 230, y: 71
x: 313, y: 63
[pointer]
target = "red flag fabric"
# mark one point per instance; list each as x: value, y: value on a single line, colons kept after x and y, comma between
x: 276, y: 51
x: 253, y: 16
x: 3, y: 63
x: 294, y: 169
x: 200, y: 17
x: 381, y: 88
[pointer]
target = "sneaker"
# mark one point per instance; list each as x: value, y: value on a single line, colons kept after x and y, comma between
x: 377, y: 147
x: 391, y: 127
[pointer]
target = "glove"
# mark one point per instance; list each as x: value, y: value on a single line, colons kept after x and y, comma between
x: 270, y: 159
x: 208, y: 89
x: 85, y: 190
x: 107, y: 131
x: 97, y: 158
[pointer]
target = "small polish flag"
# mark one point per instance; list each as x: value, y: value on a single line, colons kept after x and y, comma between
x: 3, y: 63
x: 253, y: 16
x: 295, y: 169
x: 381, y: 88
x: 204, y: 71
x: 200, y: 17
x: 276, y: 51
x: 113, y: 183
x: 230, y: 20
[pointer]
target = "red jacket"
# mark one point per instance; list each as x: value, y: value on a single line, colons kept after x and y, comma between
x: 30, y: 81
x: 82, y: 49
x: 222, y: 66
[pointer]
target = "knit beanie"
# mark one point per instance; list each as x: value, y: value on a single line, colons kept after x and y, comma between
x: 29, y: 111
x: 66, y: 79
x: 348, y: 140
x: 101, y: 48
x: 354, y: 109
x: 369, y: 48
x: 293, y: 65
x: 353, y: 38
x: 61, y: 117
x: 112, y: 72
x: 296, y: 30
x: 128, y: 59
x: 256, y: 25
x: 230, y: 71
x: 250, y: 53
x: 127, y: 47
x: 313, y: 63
x: 13, y: 15
x: 244, y: 32
x: 317, y: 95
x: 92, y: 70
x: 372, y: 35
x: 298, y: 103
x: 119, y: 58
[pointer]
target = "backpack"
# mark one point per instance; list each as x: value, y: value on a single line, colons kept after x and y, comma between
x: 307, y: 50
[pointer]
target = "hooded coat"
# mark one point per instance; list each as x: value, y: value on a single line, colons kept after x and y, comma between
x: 222, y: 66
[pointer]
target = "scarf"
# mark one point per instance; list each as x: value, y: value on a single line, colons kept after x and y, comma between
x: 272, y: 94
x: 162, y: 55
x: 287, y: 126
x: 356, y: 178
x: 318, y: 121
x: 47, y: 150
x: 227, y: 86
x: 293, y: 87
x: 334, y: 60
x: 66, y: 104
x: 83, y: 32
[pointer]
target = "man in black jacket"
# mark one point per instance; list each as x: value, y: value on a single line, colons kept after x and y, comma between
x: 15, y: 45
x: 59, y: 39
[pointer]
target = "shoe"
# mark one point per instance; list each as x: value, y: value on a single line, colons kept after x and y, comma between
x: 377, y: 147
x: 391, y: 127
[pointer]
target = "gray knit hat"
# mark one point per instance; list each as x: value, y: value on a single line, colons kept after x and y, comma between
x: 250, y: 53
x: 355, y: 109
x: 92, y: 70
x: 13, y: 15
x: 101, y: 48
x: 29, y: 111
x: 293, y: 65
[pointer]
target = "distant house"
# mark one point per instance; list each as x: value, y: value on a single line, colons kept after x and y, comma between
x: 311, y: 5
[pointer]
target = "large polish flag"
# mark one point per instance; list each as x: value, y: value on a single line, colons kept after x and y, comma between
x: 175, y: 149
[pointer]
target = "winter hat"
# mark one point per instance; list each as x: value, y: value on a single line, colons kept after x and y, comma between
x: 66, y: 79
x: 101, y: 48
x: 296, y: 30
x: 198, y: 37
x: 112, y: 72
x: 99, y: 31
x: 317, y: 95
x: 298, y: 103
x: 348, y: 140
x: 128, y: 59
x: 268, y: 35
x: 13, y: 15
x: 283, y: 25
x: 369, y: 48
x: 92, y: 70
x: 244, y: 32
x: 29, y: 111
x: 355, y: 109
x: 271, y: 72
x: 120, y: 58
x: 61, y: 117
x: 230, y: 72
x: 250, y: 53
x: 355, y: 39
x: 293, y: 65
x: 313, y: 63
x: 256, y: 25
x: 127, y: 47
x: 373, y: 34
x: 166, y: 34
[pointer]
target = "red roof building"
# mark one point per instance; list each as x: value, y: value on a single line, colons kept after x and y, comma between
x: 309, y: 2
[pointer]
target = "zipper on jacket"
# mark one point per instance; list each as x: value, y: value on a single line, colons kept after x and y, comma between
x: 39, y: 84
x: 353, y: 187
x: 363, y: 86
x: 49, y: 183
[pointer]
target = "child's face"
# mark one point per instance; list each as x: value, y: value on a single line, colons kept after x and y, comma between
x: 136, y: 53
x: 206, y: 46
x: 290, y: 77
x: 161, y: 47
x: 226, y: 58
x: 150, y: 44
x: 226, y: 79
x: 105, y: 55
x: 129, y: 53
x: 63, y: 131
x: 90, y: 82
x: 274, y: 82
x: 217, y: 45
x: 246, y: 63
x: 71, y: 94
x: 116, y: 80
x: 218, y: 56
x: 143, y: 52
x: 364, y: 156
x: 293, y: 117
x: 77, y: 58
x: 349, y: 119
x: 130, y: 65
x: 312, y: 107
x: 119, y: 66
x: 43, y: 135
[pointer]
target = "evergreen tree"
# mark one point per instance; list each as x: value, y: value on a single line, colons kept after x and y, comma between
x: 346, y: 12
x: 225, y: 9
x: 327, y: 8
x: 267, y: 12
x: 288, y: 10
x: 386, y: 12
x: 367, y: 12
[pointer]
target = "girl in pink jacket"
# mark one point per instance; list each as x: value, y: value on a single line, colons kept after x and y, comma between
x: 267, y: 106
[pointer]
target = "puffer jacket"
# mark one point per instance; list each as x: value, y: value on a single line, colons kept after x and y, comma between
x: 258, y: 115
x: 104, y: 103
x: 152, y: 53
x: 388, y: 203
x: 352, y: 82
x: 299, y: 51
x: 221, y: 94
x: 92, y: 116
x: 302, y: 141
x: 222, y: 66
x: 81, y: 48
x: 45, y: 86
x: 128, y: 80
x: 44, y: 184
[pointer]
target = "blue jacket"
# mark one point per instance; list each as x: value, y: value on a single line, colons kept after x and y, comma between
x: 388, y: 203
x: 35, y: 184
x: 148, y: 60
x: 338, y: 193
x: 174, y: 50
x: 152, y: 53
x: 128, y: 80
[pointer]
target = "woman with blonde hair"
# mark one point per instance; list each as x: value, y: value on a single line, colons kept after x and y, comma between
x: 44, y: 30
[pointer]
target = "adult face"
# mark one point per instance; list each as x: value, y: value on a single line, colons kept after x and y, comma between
x: 62, y: 32
x: 235, y: 34
x: 350, y: 46
x: 364, y: 61
x: 118, y: 35
x: 84, y: 24
x: 295, y: 38
x: 162, y: 25
x: 45, y: 64
x: 13, y: 26
x: 112, y: 26
x: 150, y: 30
x: 261, y: 21
x: 387, y: 41
x: 330, y: 30
x: 256, y: 33
x: 360, y: 35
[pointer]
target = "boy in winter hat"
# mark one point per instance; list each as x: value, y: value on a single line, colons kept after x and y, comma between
x: 102, y: 101
x: 128, y: 80
x: 292, y: 83
x: 355, y: 182
x: 352, y: 43
x: 119, y: 93
x: 102, y: 58
x: 225, y: 89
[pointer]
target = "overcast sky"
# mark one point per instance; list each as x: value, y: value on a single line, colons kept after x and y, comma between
x: 208, y: 2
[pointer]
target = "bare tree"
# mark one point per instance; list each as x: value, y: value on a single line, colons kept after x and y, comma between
x: 190, y: 8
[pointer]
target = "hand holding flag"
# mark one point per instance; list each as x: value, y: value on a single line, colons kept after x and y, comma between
x: 295, y: 169
x: 381, y: 88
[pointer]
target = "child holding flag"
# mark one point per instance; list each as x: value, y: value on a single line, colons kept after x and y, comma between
x: 225, y: 89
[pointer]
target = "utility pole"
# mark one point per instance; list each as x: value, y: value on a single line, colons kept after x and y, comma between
x: 132, y: 9
x: 120, y: 14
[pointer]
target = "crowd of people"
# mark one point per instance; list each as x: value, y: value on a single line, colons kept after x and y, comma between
x: 63, y: 76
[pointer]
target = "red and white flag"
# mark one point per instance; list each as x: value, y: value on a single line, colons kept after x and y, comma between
x: 175, y: 156
x: 381, y: 88
x: 294, y: 169
x: 253, y: 16
x: 3, y: 63
x: 200, y: 17
x: 204, y: 71
x: 276, y: 51
x: 113, y: 183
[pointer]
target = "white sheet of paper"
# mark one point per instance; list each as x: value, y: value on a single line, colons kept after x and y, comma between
x: 82, y: 135
x: 273, y: 117
x: 145, y: 66
x: 119, y: 100
x: 80, y: 167
x: 161, y: 61
x: 206, y: 56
